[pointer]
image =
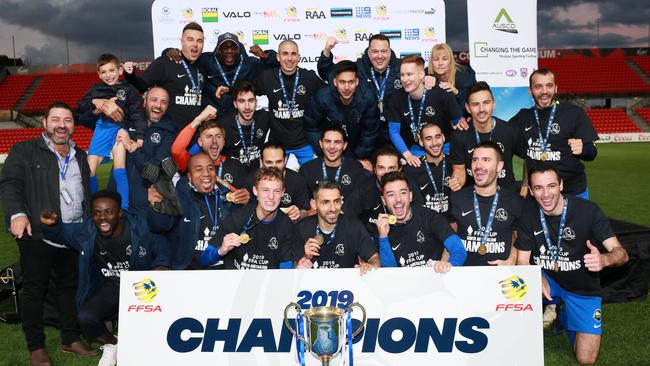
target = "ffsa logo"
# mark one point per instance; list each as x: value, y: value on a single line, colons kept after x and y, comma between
x: 514, y: 288
x: 145, y: 291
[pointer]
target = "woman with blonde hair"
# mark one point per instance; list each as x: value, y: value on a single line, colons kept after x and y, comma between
x: 452, y: 77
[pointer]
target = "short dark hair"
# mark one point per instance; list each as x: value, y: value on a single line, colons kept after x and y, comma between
x: 107, y: 58
x: 242, y: 86
x: 378, y: 37
x: 106, y: 194
x: 345, y: 66
x: 268, y: 174
x: 334, y: 128
x: 386, y: 150
x: 211, y: 124
x: 326, y: 184
x: 273, y: 145
x: 487, y: 144
x: 542, y: 167
x: 541, y: 71
x: 57, y: 104
x: 393, y: 177
x: 413, y: 59
x: 477, y: 87
x: 192, y: 26
x: 429, y: 125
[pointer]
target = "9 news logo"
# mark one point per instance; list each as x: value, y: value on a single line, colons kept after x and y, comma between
x: 514, y: 288
x: 145, y: 291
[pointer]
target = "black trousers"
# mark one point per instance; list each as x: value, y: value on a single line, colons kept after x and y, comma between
x: 102, y: 305
x: 38, y: 262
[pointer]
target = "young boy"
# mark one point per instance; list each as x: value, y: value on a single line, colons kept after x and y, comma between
x: 109, y: 136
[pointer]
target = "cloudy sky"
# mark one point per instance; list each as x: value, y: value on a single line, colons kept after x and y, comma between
x: 40, y: 28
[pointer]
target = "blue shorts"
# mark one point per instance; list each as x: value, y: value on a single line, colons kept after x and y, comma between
x: 303, y: 154
x: 581, y: 313
x: 103, y: 138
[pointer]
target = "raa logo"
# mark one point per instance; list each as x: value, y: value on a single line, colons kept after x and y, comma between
x: 145, y: 290
x: 508, y: 26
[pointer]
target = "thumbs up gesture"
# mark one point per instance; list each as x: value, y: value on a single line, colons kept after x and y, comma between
x: 593, y: 260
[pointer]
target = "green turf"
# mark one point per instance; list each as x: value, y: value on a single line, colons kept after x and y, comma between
x: 618, y: 180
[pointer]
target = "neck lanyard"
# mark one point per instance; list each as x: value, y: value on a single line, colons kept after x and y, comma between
x: 319, y: 232
x: 488, y: 225
x: 196, y: 84
x: 478, y: 138
x: 64, y: 166
x: 338, y: 171
x: 214, y: 218
x: 380, y: 89
x: 554, y: 250
x: 223, y: 74
x: 290, y: 103
x: 415, y: 124
x: 543, y: 141
x: 248, y: 226
x: 430, y: 174
x: 380, y: 202
x: 241, y: 135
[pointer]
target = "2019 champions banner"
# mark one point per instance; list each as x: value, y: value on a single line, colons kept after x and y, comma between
x: 503, y: 49
x: 469, y: 316
x: 413, y: 28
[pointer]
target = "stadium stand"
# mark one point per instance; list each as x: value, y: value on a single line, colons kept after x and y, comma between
x: 643, y: 62
x: 596, y: 76
x: 81, y: 137
x: 68, y: 88
x: 12, y: 88
x: 611, y: 121
x: 644, y: 113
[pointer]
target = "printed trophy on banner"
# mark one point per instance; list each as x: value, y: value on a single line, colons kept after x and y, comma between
x: 321, y: 330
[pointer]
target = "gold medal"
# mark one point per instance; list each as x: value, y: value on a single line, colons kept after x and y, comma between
x: 380, y: 105
x: 543, y: 156
x: 319, y: 240
x: 230, y: 197
x: 392, y: 219
x: 244, y: 238
x: 416, y: 137
x: 556, y: 267
x: 482, y: 249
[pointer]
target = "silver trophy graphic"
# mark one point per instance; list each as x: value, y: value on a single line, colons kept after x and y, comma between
x: 326, y: 327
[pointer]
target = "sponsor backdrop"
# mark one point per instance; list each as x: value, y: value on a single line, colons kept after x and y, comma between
x: 412, y: 27
x: 469, y: 316
x: 503, y: 49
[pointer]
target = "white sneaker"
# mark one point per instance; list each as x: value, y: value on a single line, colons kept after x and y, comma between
x: 109, y: 355
x: 549, y: 315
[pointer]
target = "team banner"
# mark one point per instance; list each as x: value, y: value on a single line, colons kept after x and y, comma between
x: 503, y: 49
x: 408, y: 316
x: 412, y: 27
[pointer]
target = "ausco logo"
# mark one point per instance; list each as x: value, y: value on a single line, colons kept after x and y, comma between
x: 341, y: 12
x: 508, y: 26
x: 392, y: 34
x: 190, y: 334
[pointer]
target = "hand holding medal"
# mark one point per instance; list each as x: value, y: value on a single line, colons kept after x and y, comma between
x: 383, y: 224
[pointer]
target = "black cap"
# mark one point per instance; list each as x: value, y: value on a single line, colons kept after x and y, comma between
x: 225, y: 37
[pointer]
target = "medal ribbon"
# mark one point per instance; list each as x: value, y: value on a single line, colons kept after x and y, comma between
x: 284, y: 91
x: 379, y: 89
x: 430, y: 174
x: 478, y: 138
x: 415, y: 124
x: 241, y: 136
x: 337, y: 176
x: 332, y: 235
x: 555, y: 250
x: 544, y: 141
x: 214, y: 218
x: 196, y: 86
x: 229, y: 84
x: 477, y: 213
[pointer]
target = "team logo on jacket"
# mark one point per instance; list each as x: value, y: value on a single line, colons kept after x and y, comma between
x: 228, y: 178
x: 555, y: 128
x: 259, y: 134
x: 301, y: 90
x: 501, y: 215
x: 273, y: 243
x: 121, y: 94
x: 420, y: 237
x: 141, y: 251
x: 155, y: 138
x: 346, y: 180
x: 568, y: 234
x: 397, y: 84
x: 503, y: 148
x: 430, y: 111
x: 340, y: 250
x: 286, y: 198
